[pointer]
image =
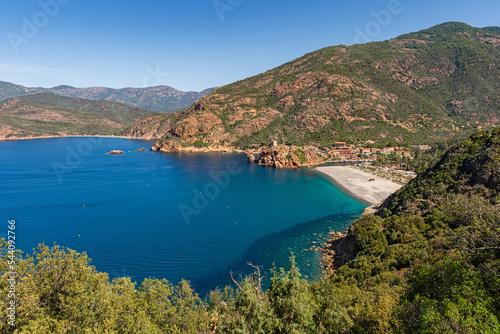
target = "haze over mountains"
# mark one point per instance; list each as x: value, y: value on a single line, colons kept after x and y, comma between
x: 162, y: 99
x: 426, y: 86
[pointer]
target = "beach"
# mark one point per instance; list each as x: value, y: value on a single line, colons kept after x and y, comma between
x: 357, y: 183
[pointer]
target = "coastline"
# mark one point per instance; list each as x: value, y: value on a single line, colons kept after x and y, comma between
x: 357, y: 183
x: 339, y: 250
x: 75, y: 136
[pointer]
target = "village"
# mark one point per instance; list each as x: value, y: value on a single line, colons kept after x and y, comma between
x: 367, y: 159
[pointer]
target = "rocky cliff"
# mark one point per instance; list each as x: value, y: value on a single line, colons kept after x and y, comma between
x: 287, y: 157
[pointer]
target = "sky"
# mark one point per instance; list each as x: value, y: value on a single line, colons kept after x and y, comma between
x: 192, y: 45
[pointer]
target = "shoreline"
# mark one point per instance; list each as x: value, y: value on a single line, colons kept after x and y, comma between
x: 357, y: 183
x: 76, y: 136
x: 350, y: 180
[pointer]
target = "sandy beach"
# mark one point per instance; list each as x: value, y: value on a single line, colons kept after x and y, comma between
x: 357, y: 183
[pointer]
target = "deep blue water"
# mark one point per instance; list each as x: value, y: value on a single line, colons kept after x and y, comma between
x: 141, y: 214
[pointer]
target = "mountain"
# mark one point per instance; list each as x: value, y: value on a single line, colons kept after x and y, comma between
x: 48, y: 114
x: 421, y: 87
x: 9, y: 90
x: 494, y: 29
x: 163, y: 99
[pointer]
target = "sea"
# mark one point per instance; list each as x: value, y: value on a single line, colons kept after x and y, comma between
x: 141, y: 214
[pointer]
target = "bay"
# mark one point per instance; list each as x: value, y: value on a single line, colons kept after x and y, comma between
x: 147, y: 214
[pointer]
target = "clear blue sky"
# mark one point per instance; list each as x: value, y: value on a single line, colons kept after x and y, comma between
x: 192, y: 45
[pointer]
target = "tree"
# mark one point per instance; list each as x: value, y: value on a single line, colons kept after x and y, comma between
x: 446, y: 298
x: 292, y: 301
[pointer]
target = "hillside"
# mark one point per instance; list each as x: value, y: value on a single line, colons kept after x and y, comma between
x: 421, y: 87
x: 52, y: 115
x: 432, y: 263
x: 438, y: 272
x: 162, y: 99
x: 472, y: 168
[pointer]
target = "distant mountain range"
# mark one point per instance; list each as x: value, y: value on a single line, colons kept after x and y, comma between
x: 47, y: 114
x: 421, y: 87
x: 162, y: 99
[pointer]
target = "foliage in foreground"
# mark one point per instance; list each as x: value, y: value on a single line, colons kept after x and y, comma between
x: 59, y: 292
x: 437, y: 274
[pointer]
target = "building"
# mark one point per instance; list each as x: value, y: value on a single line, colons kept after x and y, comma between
x: 336, y: 153
x: 274, y: 143
x: 386, y: 150
x: 346, y: 150
x: 365, y: 151
x: 340, y: 144
x: 403, y: 153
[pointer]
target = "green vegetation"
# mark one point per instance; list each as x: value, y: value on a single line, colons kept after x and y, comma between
x: 419, y: 161
x: 49, y: 114
x: 432, y: 269
x: 471, y: 167
x: 301, y: 155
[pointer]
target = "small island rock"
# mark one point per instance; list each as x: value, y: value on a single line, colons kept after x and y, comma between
x: 115, y: 152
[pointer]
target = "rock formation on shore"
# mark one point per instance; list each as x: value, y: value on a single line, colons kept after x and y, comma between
x: 115, y: 152
x: 288, y: 157
x: 338, y: 251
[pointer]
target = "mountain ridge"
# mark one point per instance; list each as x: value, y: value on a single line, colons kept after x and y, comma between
x: 419, y: 87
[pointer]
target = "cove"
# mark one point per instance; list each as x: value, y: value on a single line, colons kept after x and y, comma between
x: 128, y: 211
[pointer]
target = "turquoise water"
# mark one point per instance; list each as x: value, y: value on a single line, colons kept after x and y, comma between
x: 147, y: 214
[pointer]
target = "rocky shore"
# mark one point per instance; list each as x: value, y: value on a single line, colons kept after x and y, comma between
x: 338, y: 251
x: 286, y: 157
x: 283, y: 156
x: 173, y: 147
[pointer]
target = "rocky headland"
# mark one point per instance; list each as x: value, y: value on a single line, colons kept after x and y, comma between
x: 282, y: 156
x: 286, y: 157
